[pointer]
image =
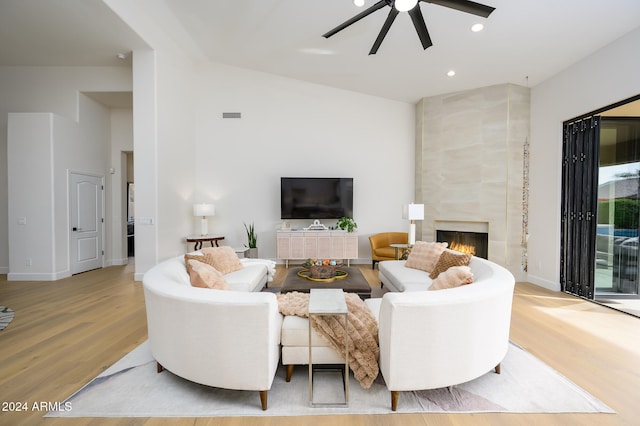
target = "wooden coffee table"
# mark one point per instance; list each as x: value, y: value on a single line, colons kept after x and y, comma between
x: 353, y: 283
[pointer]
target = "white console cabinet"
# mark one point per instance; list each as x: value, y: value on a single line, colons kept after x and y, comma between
x: 302, y: 245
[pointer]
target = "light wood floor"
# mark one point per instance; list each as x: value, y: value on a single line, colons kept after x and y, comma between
x: 67, y: 332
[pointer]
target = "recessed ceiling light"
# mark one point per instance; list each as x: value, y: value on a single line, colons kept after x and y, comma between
x: 477, y: 27
x: 451, y: 73
x: 122, y: 56
x: 358, y: 3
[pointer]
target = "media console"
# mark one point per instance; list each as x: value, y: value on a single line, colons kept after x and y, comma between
x: 330, y: 244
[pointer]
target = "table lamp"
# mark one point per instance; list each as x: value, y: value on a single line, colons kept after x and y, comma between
x: 204, y: 210
x: 413, y: 212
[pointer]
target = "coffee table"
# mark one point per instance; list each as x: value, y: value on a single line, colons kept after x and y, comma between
x: 353, y: 283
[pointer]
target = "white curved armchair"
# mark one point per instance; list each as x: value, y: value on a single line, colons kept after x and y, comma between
x: 435, y: 339
x: 225, y: 339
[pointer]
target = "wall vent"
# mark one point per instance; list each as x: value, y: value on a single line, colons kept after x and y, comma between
x: 231, y: 115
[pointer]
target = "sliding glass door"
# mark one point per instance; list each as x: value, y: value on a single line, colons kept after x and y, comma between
x: 580, y: 180
x: 616, y: 267
x: 601, y: 207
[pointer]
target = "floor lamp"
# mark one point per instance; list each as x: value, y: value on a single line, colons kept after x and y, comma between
x: 413, y: 212
x: 204, y: 210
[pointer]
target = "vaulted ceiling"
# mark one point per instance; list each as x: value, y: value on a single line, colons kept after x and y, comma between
x: 524, y: 41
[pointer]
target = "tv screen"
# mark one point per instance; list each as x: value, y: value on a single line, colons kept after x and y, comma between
x: 316, y: 198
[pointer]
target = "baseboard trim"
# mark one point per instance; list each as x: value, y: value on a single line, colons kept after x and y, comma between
x: 541, y: 282
x: 19, y: 276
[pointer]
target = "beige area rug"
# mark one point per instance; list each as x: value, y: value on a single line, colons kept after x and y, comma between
x: 133, y: 388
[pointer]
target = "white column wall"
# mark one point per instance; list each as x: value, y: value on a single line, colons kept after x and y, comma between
x: 31, y: 209
x: 145, y: 160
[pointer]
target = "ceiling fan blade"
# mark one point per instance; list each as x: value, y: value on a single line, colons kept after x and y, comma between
x: 359, y: 16
x: 465, y: 6
x: 385, y: 29
x: 421, y: 27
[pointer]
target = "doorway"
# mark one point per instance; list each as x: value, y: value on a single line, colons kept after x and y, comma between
x: 130, y: 203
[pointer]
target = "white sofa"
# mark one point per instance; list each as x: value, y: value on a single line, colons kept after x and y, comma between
x: 223, y: 338
x: 436, y: 339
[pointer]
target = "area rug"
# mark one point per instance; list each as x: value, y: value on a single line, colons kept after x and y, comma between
x: 133, y: 388
x: 6, y: 316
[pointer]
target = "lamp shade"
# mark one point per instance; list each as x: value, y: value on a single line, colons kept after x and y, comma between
x: 204, y: 210
x: 413, y: 212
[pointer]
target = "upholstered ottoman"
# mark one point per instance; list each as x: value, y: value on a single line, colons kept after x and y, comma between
x: 295, y: 345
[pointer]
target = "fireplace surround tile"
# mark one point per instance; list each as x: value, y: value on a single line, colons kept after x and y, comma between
x: 469, y: 164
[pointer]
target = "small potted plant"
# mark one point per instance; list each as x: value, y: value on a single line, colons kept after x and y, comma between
x: 347, y: 224
x: 252, y: 240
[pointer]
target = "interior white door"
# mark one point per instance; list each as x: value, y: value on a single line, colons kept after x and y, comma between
x: 86, y: 198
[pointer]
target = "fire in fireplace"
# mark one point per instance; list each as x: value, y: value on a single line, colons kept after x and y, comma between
x: 475, y: 243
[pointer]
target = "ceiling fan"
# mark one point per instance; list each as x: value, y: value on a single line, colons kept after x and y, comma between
x: 413, y: 7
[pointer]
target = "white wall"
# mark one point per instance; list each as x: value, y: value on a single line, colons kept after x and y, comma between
x: 43, y: 148
x: 292, y: 128
x: 610, y: 75
x: 288, y: 128
x: 56, y: 90
x: 175, y: 173
x: 32, y: 204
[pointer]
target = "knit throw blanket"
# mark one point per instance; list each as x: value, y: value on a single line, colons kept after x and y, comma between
x: 362, y: 332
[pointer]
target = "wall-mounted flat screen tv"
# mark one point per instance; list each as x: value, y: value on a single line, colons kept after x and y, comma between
x: 316, y: 198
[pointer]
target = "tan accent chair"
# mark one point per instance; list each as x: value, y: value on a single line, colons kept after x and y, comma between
x: 381, y: 245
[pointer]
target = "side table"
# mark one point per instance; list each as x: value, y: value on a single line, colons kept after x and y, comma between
x: 404, y: 247
x: 199, y: 239
x: 329, y: 301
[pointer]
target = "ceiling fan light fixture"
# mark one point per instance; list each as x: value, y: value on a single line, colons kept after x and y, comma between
x: 405, y: 5
x: 413, y: 10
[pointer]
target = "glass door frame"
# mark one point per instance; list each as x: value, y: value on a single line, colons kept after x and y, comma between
x: 582, y: 269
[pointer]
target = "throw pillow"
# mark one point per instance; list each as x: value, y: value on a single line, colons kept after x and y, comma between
x: 447, y: 260
x: 206, y: 276
x: 424, y: 256
x: 204, y: 258
x: 224, y: 258
x: 452, y: 277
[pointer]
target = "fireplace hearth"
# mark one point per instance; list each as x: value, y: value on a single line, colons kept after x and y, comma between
x: 475, y: 243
